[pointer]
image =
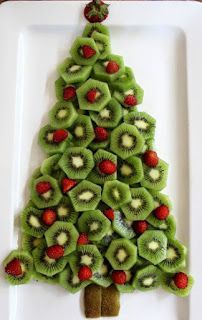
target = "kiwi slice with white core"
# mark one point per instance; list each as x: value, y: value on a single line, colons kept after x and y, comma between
x: 115, y: 194
x: 143, y: 122
x: 31, y: 222
x: 155, y: 178
x: 72, y: 72
x: 130, y: 170
x: 70, y: 281
x: 147, y: 278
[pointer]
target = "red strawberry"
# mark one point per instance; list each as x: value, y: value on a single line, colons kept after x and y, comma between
x: 107, y: 167
x: 69, y: 93
x: 67, y: 184
x: 14, y: 268
x: 88, y: 52
x: 48, y: 217
x: 101, y: 134
x: 150, y: 158
x: 60, y: 135
x: 43, y: 186
x: 83, y: 239
x: 119, y: 277
x: 96, y: 11
x: 85, y: 273
x: 91, y: 95
x: 140, y: 226
x: 109, y: 213
x: 161, y: 212
x: 112, y: 67
x: 55, y: 252
x: 130, y: 100
x: 181, y: 280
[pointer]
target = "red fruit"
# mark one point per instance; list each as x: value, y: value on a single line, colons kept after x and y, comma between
x: 43, y: 186
x: 107, y: 167
x: 119, y: 277
x: 112, y: 67
x: 96, y: 11
x: 69, y: 93
x: 14, y: 268
x: 91, y: 95
x: 101, y: 134
x: 67, y: 184
x: 85, y: 273
x: 49, y: 216
x: 150, y: 158
x: 109, y: 213
x: 60, y: 135
x: 83, y: 239
x: 181, y: 280
x: 161, y: 212
x: 140, y: 226
x: 88, y: 52
x: 55, y: 252
x: 130, y: 100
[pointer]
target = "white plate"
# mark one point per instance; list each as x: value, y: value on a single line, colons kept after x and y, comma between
x: 162, y: 42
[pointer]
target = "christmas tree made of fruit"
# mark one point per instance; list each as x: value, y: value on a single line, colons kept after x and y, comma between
x: 97, y: 214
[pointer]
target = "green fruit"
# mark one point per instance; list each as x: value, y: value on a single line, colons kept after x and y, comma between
x: 96, y: 145
x: 125, y: 81
x: 143, y: 122
x: 31, y: 222
x: 90, y: 28
x: 159, y: 199
x: 134, y: 90
x: 29, y: 243
x: 147, y: 278
x: 130, y: 170
x: 77, y: 52
x: 42, y: 277
x: 169, y: 285
x: 155, y: 178
x: 100, y: 68
x: 115, y: 194
x: 169, y: 227
x: 60, y: 86
x: 102, y: 276
x: 109, y: 236
x: 72, y: 72
x: 102, y: 43
x: 62, y: 115
x: 70, y: 281
x: 122, y: 226
x: 126, y: 287
x: 35, y: 175
x: 50, y: 166
x: 82, y: 131
x: 65, y: 211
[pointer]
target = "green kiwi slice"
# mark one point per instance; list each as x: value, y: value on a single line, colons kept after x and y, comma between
x: 115, y: 194
x: 130, y: 170
x: 82, y: 131
x: 63, y: 234
x: 62, y: 115
x: 134, y: 90
x: 48, y: 199
x: 45, y: 265
x: 35, y: 174
x: 70, y: 281
x: 109, y: 236
x: 126, y: 141
x: 113, y: 295
x: 122, y: 254
x: 94, y: 223
x: 169, y: 285
x: 170, y: 226
x: 152, y: 245
x: 96, y: 145
x: 143, y: 122
x: 127, y: 287
x: 26, y: 263
x: 31, y: 222
x: 103, y: 44
x: 155, y: 178
x: 65, y: 211
x: 147, y: 278
x: 50, y: 166
x: 125, y: 81
x: 122, y: 226
x: 102, y: 276
x: 90, y: 28
x: 109, y: 116
x: 76, y: 51
x: 77, y: 162
x: 95, y: 175
x: 103, y: 95
x: 100, y: 72
x: 72, y: 72
x: 60, y: 86
x: 87, y: 255
x: 29, y: 243
x: 140, y: 206
x: 42, y: 277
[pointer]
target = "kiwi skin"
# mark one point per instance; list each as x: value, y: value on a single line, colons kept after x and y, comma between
x: 92, y: 301
x: 112, y: 295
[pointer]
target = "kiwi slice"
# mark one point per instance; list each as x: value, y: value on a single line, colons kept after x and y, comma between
x: 62, y: 115
x: 100, y: 72
x: 169, y: 285
x: 35, y: 174
x: 115, y: 194
x: 42, y: 277
x: 143, y: 122
x: 125, y: 81
x: 26, y: 263
x: 103, y: 44
x: 60, y: 87
x: 102, y: 97
x: 70, y: 281
x: 147, y: 278
x: 140, y: 206
x: 47, y: 199
x: 65, y: 211
x: 82, y: 131
x: 152, y: 245
x: 96, y: 175
x: 29, y: 243
x: 175, y: 256
x: 122, y: 226
x: 45, y: 265
x: 155, y: 178
x: 127, y: 287
x: 170, y: 226
x: 94, y: 223
x: 90, y: 28
x: 92, y: 301
x: 47, y: 143
x: 50, y: 166
x: 102, y: 276
x: 122, y: 254
x: 109, y: 116
x: 77, y: 52
x: 159, y: 199
x: 85, y: 196
x: 87, y: 255
x: 135, y: 90
x: 72, y: 72
x: 109, y: 236
x: 112, y: 295
x: 77, y: 162
x: 126, y: 141
x: 31, y: 222
x: 64, y: 234
x: 96, y: 145
x: 130, y: 170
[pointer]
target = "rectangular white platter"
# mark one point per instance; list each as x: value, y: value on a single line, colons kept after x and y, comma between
x: 162, y: 42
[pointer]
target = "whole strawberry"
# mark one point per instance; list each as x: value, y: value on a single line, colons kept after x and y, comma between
x: 150, y: 158
x: 109, y: 213
x: 107, y: 167
x: 140, y: 226
x: 101, y: 134
x: 69, y: 93
x: 130, y: 100
x: 55, y: 252
x: 60, y: 135
x: 88, y: 52
x: 96, y: 11
x: 14, y: 268
x: 43, y: 187
x: 83, y: 239
x: 161, y: 212
x: 181, y: 280
x: 112, y: 67
x: 85, y: 273
x: 67, y: 184
x: 48, y: 217
x: 119, y: 277
x: 91, y: 95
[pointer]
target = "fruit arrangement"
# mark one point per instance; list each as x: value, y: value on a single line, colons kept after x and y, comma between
x: 97, y: 217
